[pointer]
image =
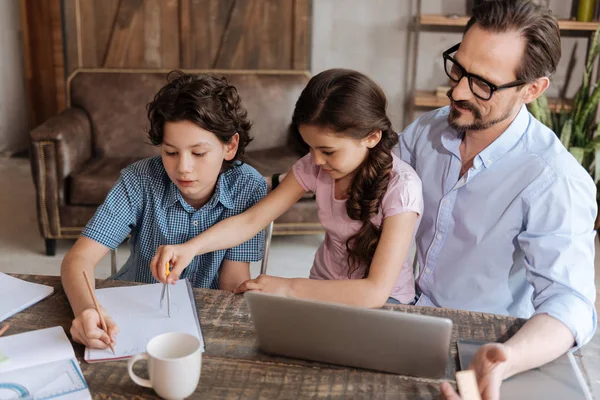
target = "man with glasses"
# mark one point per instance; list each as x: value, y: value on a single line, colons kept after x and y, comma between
x: 509, y: 213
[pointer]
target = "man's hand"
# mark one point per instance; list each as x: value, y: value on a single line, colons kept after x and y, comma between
x: 490, y: 365
x: 87, y: 329
x: 179, y: 256
x: 267, y: 284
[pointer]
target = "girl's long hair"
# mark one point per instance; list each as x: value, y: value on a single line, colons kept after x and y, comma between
x: 352, y: 105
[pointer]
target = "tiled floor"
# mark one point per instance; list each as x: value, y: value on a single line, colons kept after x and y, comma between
x: 22, y: 249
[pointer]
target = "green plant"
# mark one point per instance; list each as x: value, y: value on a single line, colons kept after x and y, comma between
x: 576, y: 125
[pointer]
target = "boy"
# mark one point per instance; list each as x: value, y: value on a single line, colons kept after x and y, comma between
x: 202, y: 130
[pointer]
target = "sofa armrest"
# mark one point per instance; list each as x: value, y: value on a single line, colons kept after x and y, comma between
x: 71, y: 133
x: 59, y: 146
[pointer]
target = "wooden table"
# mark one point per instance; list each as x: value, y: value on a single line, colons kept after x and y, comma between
x: 234, y: 368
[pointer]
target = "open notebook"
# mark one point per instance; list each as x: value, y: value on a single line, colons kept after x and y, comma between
x: 18, y: 294
x: 40, y: 365
x: 560, y: 379
x: 137, y: 312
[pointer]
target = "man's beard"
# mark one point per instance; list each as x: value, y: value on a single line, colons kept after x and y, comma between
x: 478, y: 124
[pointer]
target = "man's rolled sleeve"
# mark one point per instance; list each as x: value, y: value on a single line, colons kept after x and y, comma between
x: 576, y: 313
x: 558, y: 243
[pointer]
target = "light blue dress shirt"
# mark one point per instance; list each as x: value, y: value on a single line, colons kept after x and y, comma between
x: 514, y: 235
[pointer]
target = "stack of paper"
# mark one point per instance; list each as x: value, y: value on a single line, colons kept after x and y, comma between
x: 17, y: 295
x: 40, y: 365
x: 137, y: 312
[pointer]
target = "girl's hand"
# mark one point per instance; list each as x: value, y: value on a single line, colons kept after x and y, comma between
x: 267, y: 284
x: 87, y: 329
x: 179, y: 256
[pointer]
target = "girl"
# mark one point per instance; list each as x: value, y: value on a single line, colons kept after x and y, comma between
x: 368, y: 200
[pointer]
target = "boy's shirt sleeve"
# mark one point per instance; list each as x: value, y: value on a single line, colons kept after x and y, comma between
x: 118, y: 215
x: 253, y: 249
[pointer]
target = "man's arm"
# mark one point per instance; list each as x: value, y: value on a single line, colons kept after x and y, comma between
x: 558, y: 253
x: 541, y: 340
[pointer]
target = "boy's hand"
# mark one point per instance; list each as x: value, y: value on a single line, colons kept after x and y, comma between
x: 178, y: 255
x: 267, y: 284
x: 87, y: 329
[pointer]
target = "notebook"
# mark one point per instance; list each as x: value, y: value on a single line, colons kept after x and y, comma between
x: 40, y: 365
x: 18, y: 294
x: 559, y: 379
x: 137, y: 312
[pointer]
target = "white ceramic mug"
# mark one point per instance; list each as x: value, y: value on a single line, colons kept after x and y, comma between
x: 174, y: 361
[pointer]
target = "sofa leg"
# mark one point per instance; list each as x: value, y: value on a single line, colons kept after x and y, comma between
x: 50, y: 247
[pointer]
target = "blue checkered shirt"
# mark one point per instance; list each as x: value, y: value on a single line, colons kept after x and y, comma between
x: 146, y: 204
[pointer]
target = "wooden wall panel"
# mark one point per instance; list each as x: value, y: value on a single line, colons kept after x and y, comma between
x: 43, y: 58
x: 150, y: 34
x: 204, y: 34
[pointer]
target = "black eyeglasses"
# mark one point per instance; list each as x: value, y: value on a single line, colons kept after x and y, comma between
x: 478, y: 85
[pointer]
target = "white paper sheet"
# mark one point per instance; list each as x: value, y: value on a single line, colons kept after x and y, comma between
x: 137, y: 312
x: 17, y: 295
x: 41, y: 365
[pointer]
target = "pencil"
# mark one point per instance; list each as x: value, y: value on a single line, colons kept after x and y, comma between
x: 95, y: 300
x: 4, y: 329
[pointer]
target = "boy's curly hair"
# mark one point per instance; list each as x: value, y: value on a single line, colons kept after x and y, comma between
x: 207, y: 100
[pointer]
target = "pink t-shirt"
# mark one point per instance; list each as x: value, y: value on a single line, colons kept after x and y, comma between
x: 404, y: 194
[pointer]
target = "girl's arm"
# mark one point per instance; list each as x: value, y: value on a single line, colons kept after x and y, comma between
x: 372, y: 291
x: 230, y: 232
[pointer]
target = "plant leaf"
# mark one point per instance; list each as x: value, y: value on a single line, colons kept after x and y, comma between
x: 578, y: 153
x: 565, y: 133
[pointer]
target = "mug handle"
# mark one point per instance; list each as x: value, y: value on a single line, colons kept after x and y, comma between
x: 132, y: 375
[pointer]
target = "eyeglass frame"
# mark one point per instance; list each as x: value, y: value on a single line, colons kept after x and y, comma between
x: 493, y: 88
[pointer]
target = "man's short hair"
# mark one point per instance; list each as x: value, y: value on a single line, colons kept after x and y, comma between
x: 536, y: 24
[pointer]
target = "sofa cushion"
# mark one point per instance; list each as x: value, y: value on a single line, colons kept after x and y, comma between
x: 90, y: 185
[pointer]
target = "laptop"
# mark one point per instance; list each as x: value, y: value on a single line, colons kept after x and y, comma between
x: 560, y: 379
x: 381, y: 340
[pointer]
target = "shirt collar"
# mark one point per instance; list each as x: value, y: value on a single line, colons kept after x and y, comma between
x: 507, y: 140
x: 222, y: 194
x: 451, y: 140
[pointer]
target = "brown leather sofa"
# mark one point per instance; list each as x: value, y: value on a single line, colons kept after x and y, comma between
x: 77, y: 155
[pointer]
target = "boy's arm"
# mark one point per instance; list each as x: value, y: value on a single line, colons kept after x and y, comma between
x: 233, y: 273
x: 85, y: 256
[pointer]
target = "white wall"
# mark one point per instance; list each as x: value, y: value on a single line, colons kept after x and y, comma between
x: 373, y: 37
x: 13, y: 105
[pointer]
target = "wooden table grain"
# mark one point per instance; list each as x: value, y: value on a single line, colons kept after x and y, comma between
x: 234, y: 368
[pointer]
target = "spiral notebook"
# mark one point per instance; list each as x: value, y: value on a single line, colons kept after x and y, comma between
x: 137, y: 312
x: 18, y: 295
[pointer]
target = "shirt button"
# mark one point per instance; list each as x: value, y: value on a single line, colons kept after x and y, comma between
x: 427, y: 271
x: 195, y: 223
x: 439, y: 236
